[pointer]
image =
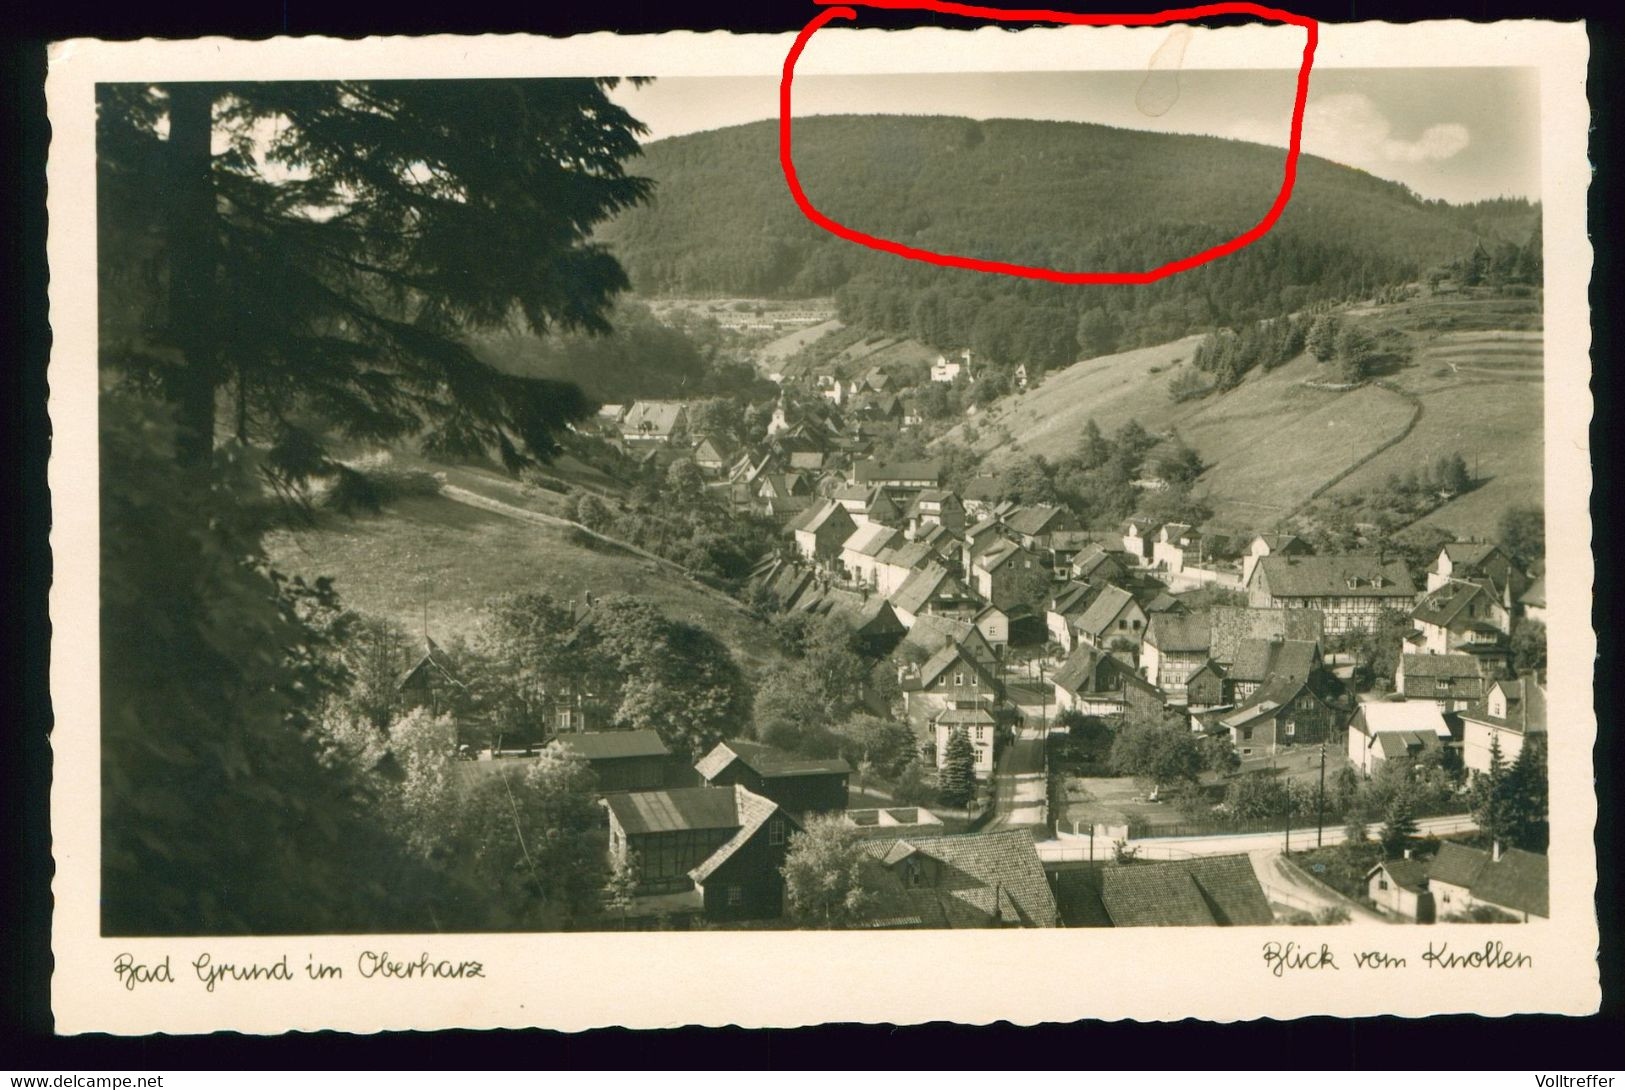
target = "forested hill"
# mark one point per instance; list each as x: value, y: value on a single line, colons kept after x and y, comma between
x: 1057, y: 194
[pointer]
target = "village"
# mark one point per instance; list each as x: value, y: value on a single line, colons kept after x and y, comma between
x: 1153, y: 724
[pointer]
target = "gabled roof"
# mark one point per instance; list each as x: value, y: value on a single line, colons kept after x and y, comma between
x: 723, y: 448
x: 1382, y: 716
x: 1335, y: 577
x: 994, y: 558
x: 1457, y: 864
x: 922, y: 586
x: 1258, y: 659
x: 1447, y: 604
x: 1220, y: 890
x: 1034, y: 519
x: 1074, y: 599
x: 609, y: 745
x: 1395, y: 744
x: 433, y: 665
x: 987, y: 879
x: 1266, y: 702
x: 1111, y: 601
x: 753, y: 812
x: 1168, y: 631
x: 1525, y: 705
x: 1518, y: 880
x: 1090, y: 560
x: 652, y: 417
x: 881, y: 507
x: 869, y: 540
x: 1465, y: 554
x: 766, y: 761
x: 906, y: 554
x: 818, y: 517
x: 944, y: 658
x: 1232, y: 624
x: 1438, y: 666
x: 932, y: 631
x: 851, y: 492
x: 1277, y: 542
x: 675, y: 809
x: 1409, y: 874
x: 1079, y: 672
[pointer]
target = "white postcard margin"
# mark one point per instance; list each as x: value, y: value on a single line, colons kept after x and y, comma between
x: 755, y: 979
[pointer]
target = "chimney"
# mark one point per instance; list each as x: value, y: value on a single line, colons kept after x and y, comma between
x: 1407, y: 853
x: 1495, y: 850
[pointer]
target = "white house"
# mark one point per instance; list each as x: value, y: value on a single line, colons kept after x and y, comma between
x: 946, y: 370
x: 1509, y: 713
x: 1384, y: 730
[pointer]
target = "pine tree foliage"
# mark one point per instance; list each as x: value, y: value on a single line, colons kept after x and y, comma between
x: 1053, y: 194
x: 284, y: 261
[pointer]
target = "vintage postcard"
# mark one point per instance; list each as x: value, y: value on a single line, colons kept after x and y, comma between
x: 973, y: 525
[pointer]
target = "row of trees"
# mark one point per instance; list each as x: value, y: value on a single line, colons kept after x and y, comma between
x: 1355, y: 351
x: 1225, y: 356
x: 676, y: 516
x: 1101, y: 478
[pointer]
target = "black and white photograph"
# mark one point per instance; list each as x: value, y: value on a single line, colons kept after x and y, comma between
x: 514, y: 514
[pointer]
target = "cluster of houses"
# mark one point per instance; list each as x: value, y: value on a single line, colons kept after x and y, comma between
x: 708, y: 843
x: 895, y: 548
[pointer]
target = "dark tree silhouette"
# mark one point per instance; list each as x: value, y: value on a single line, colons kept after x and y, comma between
x: 321, y: 272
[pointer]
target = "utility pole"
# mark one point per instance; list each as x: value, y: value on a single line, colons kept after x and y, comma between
x: 1287, y: 847
x: 1320, y: 804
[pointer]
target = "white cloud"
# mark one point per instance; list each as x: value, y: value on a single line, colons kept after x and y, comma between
x: 1348, y: 128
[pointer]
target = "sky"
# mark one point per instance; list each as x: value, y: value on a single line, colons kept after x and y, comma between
x: 1460, y: 134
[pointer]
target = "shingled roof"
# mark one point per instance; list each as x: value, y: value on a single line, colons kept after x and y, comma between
x: 1218, y: 890
x: 767, y: 762
x: 1335, y: 577
x: 1525, y: 706
x: 985, y: 879
x: 609, y: 745
x: 675, y: 809
x: 1168, y: 631
x: 1034, y: 519
x: 752, y: 812
x: 1230, y: 625
x: 1104, y: 609
x: 1516, y: 881
x: 1266, y: 701
x: 869, y: 539
x: 1257, y: 659
x: 1457, y: 864
x: 1444, y: 606
x: 922, y: 586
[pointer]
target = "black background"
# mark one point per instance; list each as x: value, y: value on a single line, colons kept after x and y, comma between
x: 26, y: 1040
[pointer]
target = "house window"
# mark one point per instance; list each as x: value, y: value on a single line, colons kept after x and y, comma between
x: 959, y: 679
x: 1382, y: 883
x: 1247, y: 734
x: 1291, y: 728
x: 981, y: 734
x: 1445, y: 897
x: 736, y: 896
x: 775, y: 831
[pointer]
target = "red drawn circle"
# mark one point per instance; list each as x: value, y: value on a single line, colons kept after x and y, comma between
x: 1174, y: 15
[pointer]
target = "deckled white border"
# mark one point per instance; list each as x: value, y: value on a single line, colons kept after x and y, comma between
x: 576, y: 982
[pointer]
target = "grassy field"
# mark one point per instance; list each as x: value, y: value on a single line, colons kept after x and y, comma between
x: 1109, y: 389
x: 434, y: 554
x: 1272, y: 443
